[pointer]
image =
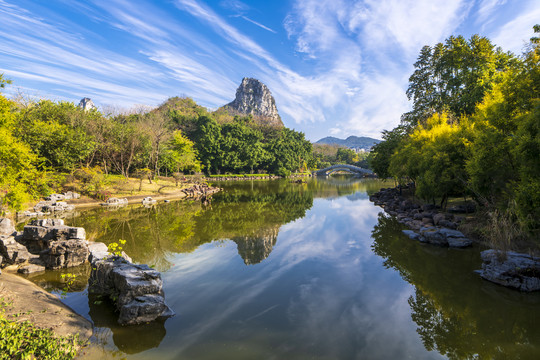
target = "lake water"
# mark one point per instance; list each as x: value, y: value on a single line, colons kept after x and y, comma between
x: 275, y: 270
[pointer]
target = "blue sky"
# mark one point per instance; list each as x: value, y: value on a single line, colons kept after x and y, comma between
x: 335, y: 67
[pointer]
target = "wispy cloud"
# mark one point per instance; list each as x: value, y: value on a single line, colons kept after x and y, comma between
x: 258, y: 24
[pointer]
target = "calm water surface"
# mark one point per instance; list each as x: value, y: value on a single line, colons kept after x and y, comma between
x: 274, y: 270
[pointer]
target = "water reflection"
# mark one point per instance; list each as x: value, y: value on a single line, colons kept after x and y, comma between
x: 248, y: 213
x: 458, y: 314
x: 147, y: 336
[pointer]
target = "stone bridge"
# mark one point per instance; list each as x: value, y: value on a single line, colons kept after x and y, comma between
x: 342, y: 167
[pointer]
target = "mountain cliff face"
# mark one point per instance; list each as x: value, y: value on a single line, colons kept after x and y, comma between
x: 253, y: 97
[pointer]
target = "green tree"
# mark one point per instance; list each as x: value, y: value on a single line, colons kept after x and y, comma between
x: 181, y: 154
x: 207, y: 140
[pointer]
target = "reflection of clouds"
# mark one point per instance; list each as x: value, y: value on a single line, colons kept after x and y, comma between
x: 342, y: 303
x: 344, y: 319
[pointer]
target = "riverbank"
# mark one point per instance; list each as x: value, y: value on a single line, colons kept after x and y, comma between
x: 31, y: 312
x: 443, y: 227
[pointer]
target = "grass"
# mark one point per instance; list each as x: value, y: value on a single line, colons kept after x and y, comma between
x: 23, y: 340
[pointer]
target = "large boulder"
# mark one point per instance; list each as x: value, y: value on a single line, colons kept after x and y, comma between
x: 64, y: 254
x: 136, y: 289
x: 511, y: 269
x: 39, y: 234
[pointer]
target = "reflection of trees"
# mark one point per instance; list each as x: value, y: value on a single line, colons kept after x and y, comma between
x: 458, y: 314
x: 249, y: 214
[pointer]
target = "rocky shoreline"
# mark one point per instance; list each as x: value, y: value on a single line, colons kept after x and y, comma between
x: 428, y: 225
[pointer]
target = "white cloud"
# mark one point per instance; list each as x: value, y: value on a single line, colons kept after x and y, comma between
x: 516, y: 33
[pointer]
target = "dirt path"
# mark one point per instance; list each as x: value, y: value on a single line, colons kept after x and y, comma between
x: 45, y: 310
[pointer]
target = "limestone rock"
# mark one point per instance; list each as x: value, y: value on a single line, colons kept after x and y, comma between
x: 39, y: 234
x: 97, y: 251
x: 12, y: 252
x: 138, y: 289
x: 6, y: 227
x: 64, y: 254
x: 115, y: 202
x: 87, y: 104
x: 444, y: 237
x: 253, y: 97
x: 411, y: 234
x: 148, y: 201
x: 515, y: 270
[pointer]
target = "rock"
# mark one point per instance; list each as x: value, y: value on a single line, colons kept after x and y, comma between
x: 39, y: 234
x: 12, y: 252
x: 87, y: 104
x: 64, y: 254
x: 138, y: 289
x: 115, y: 202
x: 437, y: 218
x: 47, y: 222
x: 148, y: 201
x: 6, y: 227
x: 515, y: 270
x: 54, y: 197
x: 411, y: 234
x: 97, y: 251
x: 53, y: 205
x: 445, y: 237
x: 30, y: 269
x: 253, y: 97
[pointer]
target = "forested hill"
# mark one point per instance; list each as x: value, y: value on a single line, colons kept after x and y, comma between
x: 352, y: 142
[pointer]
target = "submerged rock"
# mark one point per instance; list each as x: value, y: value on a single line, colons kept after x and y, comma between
x: 136, y: 289
x: 511, y: 269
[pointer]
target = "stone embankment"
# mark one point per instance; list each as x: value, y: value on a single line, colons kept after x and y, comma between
x: 53, y: 203
x: 49, y: 244
x: 518, y: 271
x: 427, y: 224
x: 198, y: 191
x: 510, y: 269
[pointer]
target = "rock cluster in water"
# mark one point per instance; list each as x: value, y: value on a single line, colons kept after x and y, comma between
x: 137, y: 290
x: 253, y: 97
x: 49, y: 244
x: 43, y: 244
x: 427, y: 224
x: 518, y: 271
x: 113, y: 201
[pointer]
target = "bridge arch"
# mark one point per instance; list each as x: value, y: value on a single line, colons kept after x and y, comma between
x: 342, y: 167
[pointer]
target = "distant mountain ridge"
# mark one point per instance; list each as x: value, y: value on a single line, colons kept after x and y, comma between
x: 352, y: 142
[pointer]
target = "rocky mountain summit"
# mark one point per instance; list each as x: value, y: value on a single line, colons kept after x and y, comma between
x: 253, y: 97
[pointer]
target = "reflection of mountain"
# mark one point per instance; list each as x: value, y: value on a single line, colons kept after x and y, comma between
x: 454, y: 309
x: 249, y: 214
x: 254, y: 249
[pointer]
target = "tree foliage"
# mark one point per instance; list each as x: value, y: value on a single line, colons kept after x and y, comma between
x: 474, y: 128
